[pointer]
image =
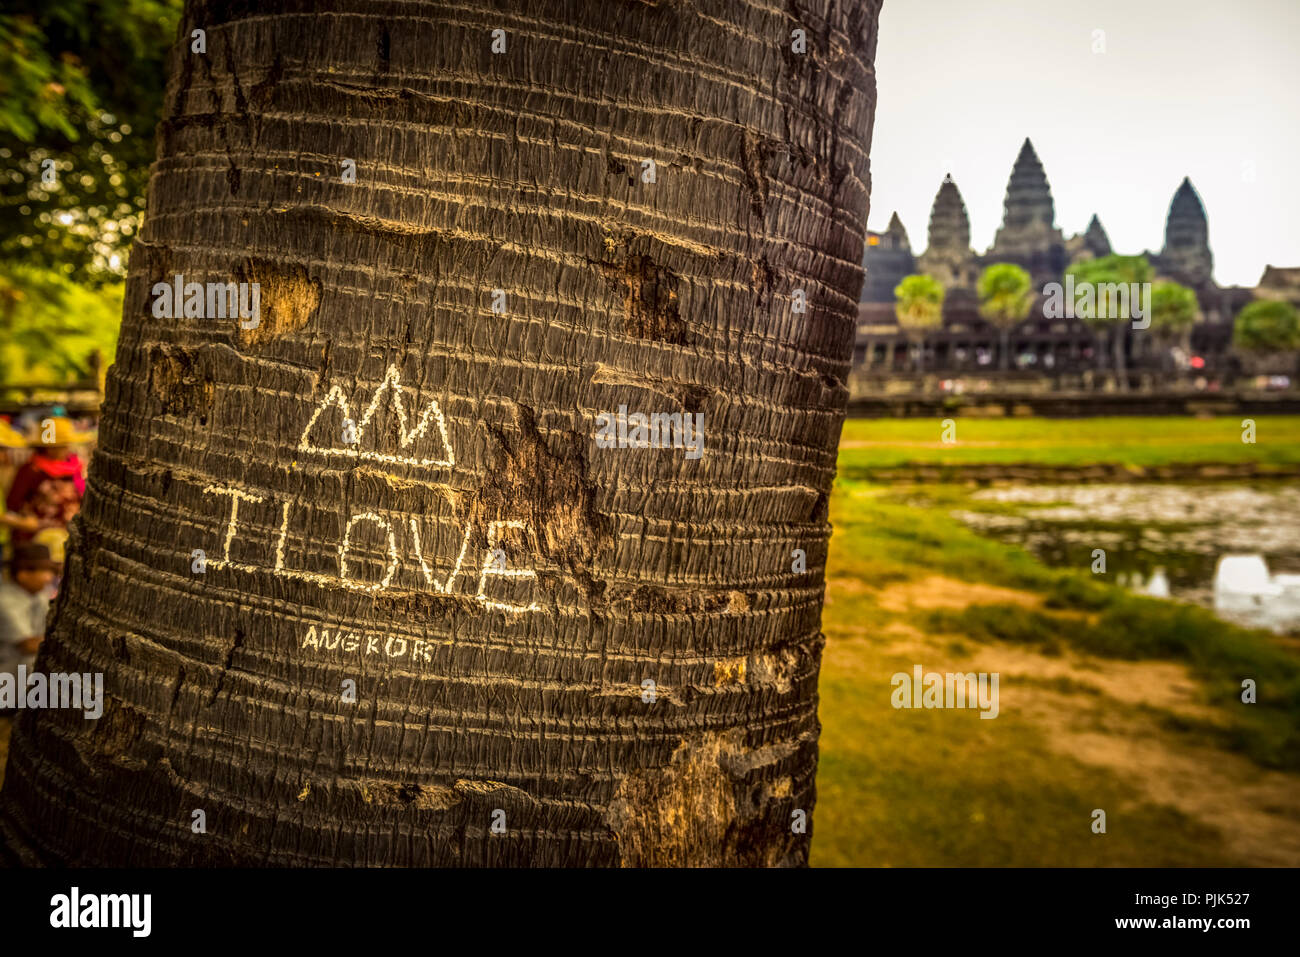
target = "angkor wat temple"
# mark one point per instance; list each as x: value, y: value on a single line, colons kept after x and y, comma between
x: 1029, y: 237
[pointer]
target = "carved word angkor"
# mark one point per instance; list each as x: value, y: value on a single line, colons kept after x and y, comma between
x: 367, y: 643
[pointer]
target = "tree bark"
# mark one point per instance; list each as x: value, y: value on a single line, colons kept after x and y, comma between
x: 498, y: 586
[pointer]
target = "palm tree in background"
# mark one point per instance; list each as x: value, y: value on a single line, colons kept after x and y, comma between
x: 918, y: 304
x: 1174, y: 311
x: 364, y: 588
x: 1265, y: 328
x: 1112, y: 271
x: 1006, y: 296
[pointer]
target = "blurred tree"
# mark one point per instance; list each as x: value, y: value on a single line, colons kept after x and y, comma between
x: 41, y: 92
x: 1006, y: 295
x: 1111, y: 271
x: 50, y: 326
x: 1174, y: 310
x: 82, y: 86
x: 1267, y: 326
x: 919, y: 307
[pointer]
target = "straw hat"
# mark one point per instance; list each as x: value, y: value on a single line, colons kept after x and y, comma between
x: 62, y: 433
x: 11, y: 438
x: 55, y: 539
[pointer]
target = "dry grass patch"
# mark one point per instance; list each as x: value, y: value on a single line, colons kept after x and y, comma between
x: 939, y: 591
x: 1257, y: 810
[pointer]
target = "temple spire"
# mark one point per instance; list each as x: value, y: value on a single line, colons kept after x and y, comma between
x: 1029, y: 196
x: 1095, y: 239
x: 949, y: 223
x: 1186, y: 225
x: 897, y: 232
x: 1186, y: 255
x: 949, y: 257
x: 1028, y: 235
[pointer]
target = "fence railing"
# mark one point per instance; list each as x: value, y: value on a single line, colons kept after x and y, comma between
x: 80, y: 398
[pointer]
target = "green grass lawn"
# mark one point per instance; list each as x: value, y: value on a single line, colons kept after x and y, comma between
x: 879, y: 443
x: 943, y: 787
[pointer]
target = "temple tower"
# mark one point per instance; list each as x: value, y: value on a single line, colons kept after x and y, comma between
x: 1095, y: 239
x: 1092, y: 243
x: 1186, y: 255
x: 1028, y: 236
x: 887, y: 259
x: 897, y: 234
x: 949, y: 257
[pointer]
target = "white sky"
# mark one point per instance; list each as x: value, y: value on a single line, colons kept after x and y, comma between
x: 1203, y: 88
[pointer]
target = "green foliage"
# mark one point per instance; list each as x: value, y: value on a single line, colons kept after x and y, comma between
x: 919, y: 303
x: 1045, y: 633
x: 1079, y: 593
x: 1173, y: 307
x: 1110, y: 270
x: 1266, y: 326
x: 83, y: 85
x: 1005, y: 293
x: 39, y: 91
x: 49, y: 325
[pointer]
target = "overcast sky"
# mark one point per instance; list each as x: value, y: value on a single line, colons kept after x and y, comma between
x: 1203, y: 88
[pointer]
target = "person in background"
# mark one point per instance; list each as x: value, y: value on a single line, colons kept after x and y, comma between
x: 11, y: 438
x: 13, y: 448
x: 48, y: 488
x: 25, y: 595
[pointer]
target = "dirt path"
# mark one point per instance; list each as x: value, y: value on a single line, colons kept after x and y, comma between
x: 1112, y: 722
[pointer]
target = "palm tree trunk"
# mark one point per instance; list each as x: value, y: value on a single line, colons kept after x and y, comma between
x: 561, y: 653
x: 1006, y: 349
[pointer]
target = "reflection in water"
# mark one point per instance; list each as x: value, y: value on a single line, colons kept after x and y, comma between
x: 1245, y: 592
x: 1166, y: 540
x: 1158, y: 586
